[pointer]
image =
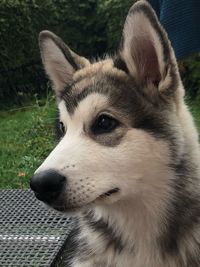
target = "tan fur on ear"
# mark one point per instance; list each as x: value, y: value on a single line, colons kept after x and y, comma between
x: 60, y: 62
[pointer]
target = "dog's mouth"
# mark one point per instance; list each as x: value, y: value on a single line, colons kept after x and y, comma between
x: 109, y: 193
x: 65, y: 208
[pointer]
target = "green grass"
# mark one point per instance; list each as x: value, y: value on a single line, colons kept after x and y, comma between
x: 26, y: 138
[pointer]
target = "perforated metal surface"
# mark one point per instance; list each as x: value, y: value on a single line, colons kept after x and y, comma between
x: 30, y: 234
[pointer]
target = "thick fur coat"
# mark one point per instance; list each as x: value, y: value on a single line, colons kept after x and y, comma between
x: 128, y: 152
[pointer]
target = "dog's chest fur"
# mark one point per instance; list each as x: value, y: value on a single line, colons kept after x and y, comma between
x: 95, y: 243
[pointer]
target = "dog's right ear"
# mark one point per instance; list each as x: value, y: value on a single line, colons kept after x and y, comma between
x: 59, y: 61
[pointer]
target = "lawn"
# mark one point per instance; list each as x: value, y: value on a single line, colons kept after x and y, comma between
x: 27, y: 136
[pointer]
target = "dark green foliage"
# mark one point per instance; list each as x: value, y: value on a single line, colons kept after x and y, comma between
x: 191, y: 76
x: 91, y: 28
x: 114, y: 13
x: 19, y: 69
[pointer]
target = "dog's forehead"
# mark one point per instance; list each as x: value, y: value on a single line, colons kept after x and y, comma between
x: 103, y: 67
x: 102, y: 78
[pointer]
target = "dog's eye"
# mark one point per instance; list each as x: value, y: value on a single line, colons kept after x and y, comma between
x: 62, y: 127
x: 104, y: 124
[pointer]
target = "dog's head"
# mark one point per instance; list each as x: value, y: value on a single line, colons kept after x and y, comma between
x: 118, y: 117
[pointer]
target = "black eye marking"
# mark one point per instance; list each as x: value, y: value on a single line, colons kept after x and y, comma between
x: 104, y: 124
x: 62, y: 127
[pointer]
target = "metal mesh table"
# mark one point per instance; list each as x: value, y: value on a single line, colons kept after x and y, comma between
x: 30, y: 234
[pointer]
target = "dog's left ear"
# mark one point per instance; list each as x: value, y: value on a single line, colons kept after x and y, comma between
x: 147, y: 52
x: 59, y: 61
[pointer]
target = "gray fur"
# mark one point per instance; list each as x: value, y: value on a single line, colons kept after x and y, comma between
x: 155, y: 109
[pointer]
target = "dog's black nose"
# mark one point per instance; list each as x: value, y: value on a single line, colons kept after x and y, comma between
x: 47, y: 185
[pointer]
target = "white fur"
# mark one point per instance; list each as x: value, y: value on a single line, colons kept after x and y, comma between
x: 138, y: 165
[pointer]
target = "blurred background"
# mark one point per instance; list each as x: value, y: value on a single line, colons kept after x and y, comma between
x: 27, y: 109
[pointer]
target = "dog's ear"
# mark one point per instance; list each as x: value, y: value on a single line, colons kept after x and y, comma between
x: 59, y: 61
x: 146, y: 50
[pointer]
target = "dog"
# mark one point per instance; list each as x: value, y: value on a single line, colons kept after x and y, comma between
x: 127, y: 163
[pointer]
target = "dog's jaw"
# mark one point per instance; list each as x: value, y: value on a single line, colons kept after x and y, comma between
x: 106, y: 198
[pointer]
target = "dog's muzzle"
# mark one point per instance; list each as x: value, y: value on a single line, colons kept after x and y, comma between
x: 48, y: 185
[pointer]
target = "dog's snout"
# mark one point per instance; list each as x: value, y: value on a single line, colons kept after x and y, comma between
x: 47, y: 185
